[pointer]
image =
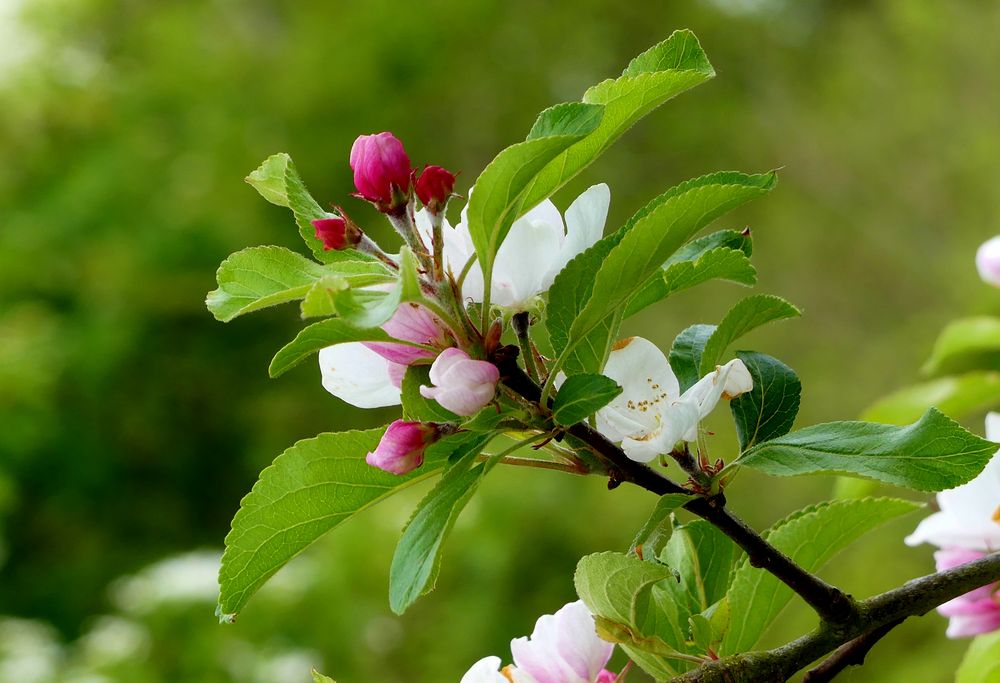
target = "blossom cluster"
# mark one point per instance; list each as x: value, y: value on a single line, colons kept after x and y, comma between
x: 648, y: 418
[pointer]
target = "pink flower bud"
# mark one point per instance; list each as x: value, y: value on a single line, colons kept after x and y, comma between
x: 461, y: 384
x: 975, y: 612
x: 382, y: 171
x: 606, y: 677
x: 434, y: 186
x: 988, y: 261
x: 337, y: 233
x: 413, y: 323
x: 401, y: 449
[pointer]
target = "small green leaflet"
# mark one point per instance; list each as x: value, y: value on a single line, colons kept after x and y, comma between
x: 308, y: 490
x: 703, y: 558
x: 581, y: 396
x: 320, y: 678
x: 769, y: 409
x: 657, y: 75
x: 685, y: 354
x: 810, y: 537
x: 745, y: 316
x: 418, y: 554
x: 982, y: 661
x: 957, y: 396
x: 278, y: 182
x: 966, y: 344
x: 497, y: 201
x: 371, y: 308
x: 932, y: 454
x: 658, y: 528
x: 320, y: 335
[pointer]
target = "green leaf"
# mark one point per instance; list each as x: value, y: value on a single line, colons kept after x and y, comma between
x: 278, y: 182
x: 652, y: 236
x: 415, y: 562
x: 308, y: 490
x: 721, y: 263
x: 810, y: 537
x: 932, y: 454
x: 701, y: 631
x: 259, y: 277
x: 320, y: 335
x: 747, y: 315
x: 371, y: 308
x: 685, y: 354
x: 581, y: 396
x: 320, y: 678
x: 659, y: 74
x: 981, y: 663
x: 966, y: 344
x: 415, y: 406
x: 957, y: 396
x: 769, y: 409
x: 658, y: 528
x: 497, y: 201
x: 703, y: 558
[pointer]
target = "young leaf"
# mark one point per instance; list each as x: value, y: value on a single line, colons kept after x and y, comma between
x: 703, y: 558
x: 497, y: 201
x: 652, y: 236
x: 767, y: 411
x: 581, y: 396
x: 320, y: 335
x: 721, y: 263
x: 308, y: 490
x: 685, y: 354
x: 320, y: 678
x: 957, y: 396
x: 415, y: 406
x: 259, y: 277
x: 932, y: 454
x: 966, y: 344
x: 658, y: 528
x: 415, y: 562
x: 371, y: 308
x: 278, y: 182
x: 319, y: 300
x: 981, y: 663
x: 810, y: 537
x: 659, y: 74
x: 747, y: 315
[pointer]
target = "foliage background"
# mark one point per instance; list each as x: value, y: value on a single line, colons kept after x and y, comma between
x: 131, y: 423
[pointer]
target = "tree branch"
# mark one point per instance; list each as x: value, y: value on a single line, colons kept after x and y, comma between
x: 832, y: 604
x: 849, y: 654
x: 882, y: 612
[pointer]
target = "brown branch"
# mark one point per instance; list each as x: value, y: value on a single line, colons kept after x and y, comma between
x: 832, y: 604
x: 849, y: 654
x: 884, y: 611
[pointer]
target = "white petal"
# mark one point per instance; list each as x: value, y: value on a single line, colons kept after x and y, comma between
x: 524, y: 259
x: 585, y: 220
x: 947, y: 531
x: 486, y: 670
x: 648, y: 387
x: 357, y: 375
x: 707, y: 391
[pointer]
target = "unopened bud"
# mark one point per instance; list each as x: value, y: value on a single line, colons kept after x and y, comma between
x: 434, y: 186
x: 382, y: 171
x: 401, y: 449
x: 462, y: 384
x: 337, y: 233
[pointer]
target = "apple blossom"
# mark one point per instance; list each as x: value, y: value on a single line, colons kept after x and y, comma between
x: 462, y: 384
x: 968, y: 517
x: 975, y: 612
x: 369, y: 375
x: 988, y: 261
x: 434, y: 186
x: 563, y: 648
x: 337, y: 233
x: 537, y: 247
x: 650, y: 416
x: 401, y: 448
x: 382, y: 171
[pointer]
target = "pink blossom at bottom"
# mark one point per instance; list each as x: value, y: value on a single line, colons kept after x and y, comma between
x: 401, y: 449
x: 975, y: 612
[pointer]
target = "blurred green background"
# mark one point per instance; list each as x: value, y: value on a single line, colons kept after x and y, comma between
x: 131, y: 423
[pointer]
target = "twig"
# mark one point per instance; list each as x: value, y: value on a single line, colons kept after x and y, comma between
x: 884, y: 611
x: 520, y: 324
x: 849, y: 654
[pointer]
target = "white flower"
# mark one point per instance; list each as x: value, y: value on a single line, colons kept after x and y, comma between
x: 357, y: 375
x: 988, y: 261
x: 537, y: 247
x: 970, y: 514
x: 650, y: 416
x: 563, y: 648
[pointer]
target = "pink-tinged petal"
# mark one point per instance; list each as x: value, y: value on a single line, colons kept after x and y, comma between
x: 357, y: 375
x: 606, y: 677
x: 444, y: 362
x: 988, y: 261
x: 413, y: 323
x: 967, y: 626
x: 396, y: 374
x: 486, y: 670
x: 401, y: 449
x: 949, y: 558
x: 401, y: 354
x: 563, y: 648
x: 461, y: 384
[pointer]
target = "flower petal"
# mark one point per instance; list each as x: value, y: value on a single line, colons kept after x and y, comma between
x: 526, y: 256
x: 486, y: 670
x: 648, y: 386
x: 585, y: 219
x: 357, y: 375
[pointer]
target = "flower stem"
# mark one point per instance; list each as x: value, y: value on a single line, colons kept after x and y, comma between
x: 521, y: 325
